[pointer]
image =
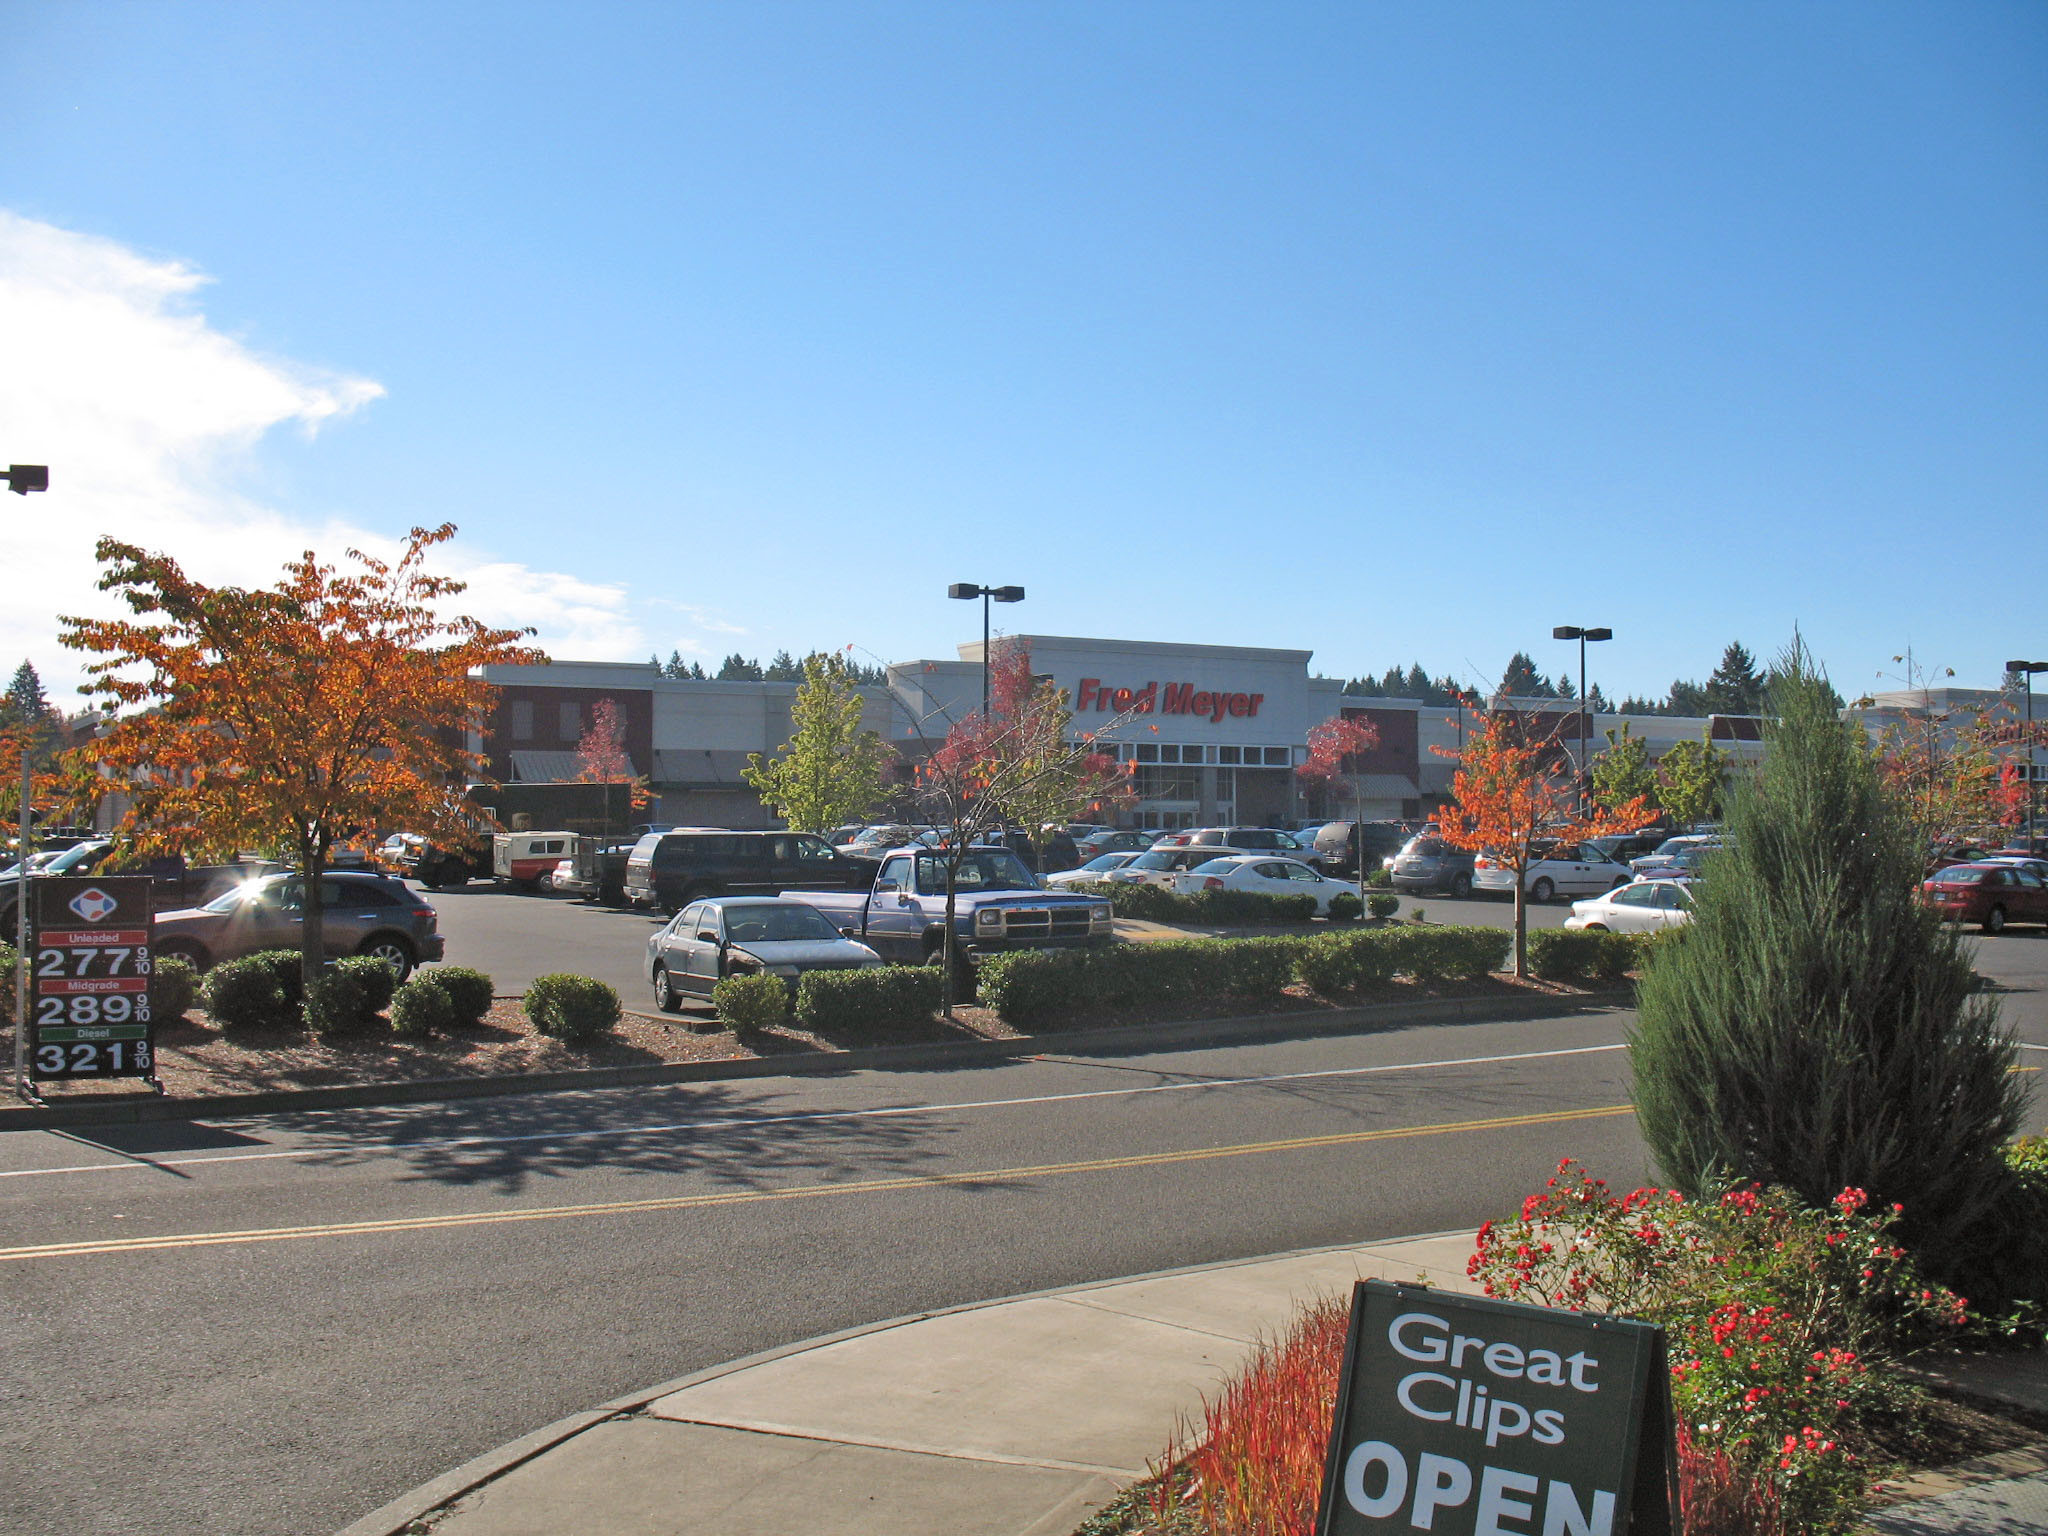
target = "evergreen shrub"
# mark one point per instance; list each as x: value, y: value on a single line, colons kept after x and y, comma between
x: 337, y: 1001
x: 1577, y: 955
x: 1816, y: 1026
x: 1346, y: 963
x: 468, y: 992
x: 378, y: 977
x: 759, y: 1001
x: 1345, y: 907
x: 571, y: 1007
x: 173, y: 987
x: 1380, y: 879
x: 423, y: 1006
x: 1382, y: 903
x: 853, y: 1002
x: 6, y: 983
x: 247, y: 994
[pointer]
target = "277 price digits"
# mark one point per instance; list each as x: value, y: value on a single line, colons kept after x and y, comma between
x: 93, y: 1008
x: 92, y: 1058
x: 94, y: 960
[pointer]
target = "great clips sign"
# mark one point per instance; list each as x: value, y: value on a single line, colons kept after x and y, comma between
x: 1462, y: 1416
x: 1165, y: 699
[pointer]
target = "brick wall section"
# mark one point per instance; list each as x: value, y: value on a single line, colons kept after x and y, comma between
x: 635, y: 707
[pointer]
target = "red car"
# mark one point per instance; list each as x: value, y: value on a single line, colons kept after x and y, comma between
x: 1988, y: 894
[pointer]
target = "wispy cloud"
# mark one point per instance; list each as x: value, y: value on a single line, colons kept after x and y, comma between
x: 147, y: 415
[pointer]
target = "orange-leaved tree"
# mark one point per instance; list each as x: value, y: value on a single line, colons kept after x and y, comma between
x: 1329, y: 745
x: 601, y: 755
x: 291, y: 718
x: 1514, y: 797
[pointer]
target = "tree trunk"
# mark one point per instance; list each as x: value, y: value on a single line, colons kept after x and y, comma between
x: 946, y: 955
x: 312, y: 929
x: 1521, y: 925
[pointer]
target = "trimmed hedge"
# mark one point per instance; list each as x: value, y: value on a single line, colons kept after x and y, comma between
x: 1040, y: 986
x: 571, y: 1007
x: 759, y: 1001
x: 337, y: 1001
x: 249, y: 993
x: 173, y: 988
x: 1383, y: 903
x: 1575, y: 954
x: 423, y: 1006
x: 468, y: 992
x: 1158, y: 904
x: 848, y: 1002
x: 1345, y: 907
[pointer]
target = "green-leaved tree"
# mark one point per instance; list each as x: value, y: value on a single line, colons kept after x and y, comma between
x: 1624, y: 773
x: 1690, y: 779
x: 830, y: 770
x: 1816, y: 1025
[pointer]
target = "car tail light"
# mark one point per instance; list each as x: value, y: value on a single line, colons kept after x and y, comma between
x: 1213, y: 883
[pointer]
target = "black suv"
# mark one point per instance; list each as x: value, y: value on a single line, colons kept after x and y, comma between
x: 1338, y: 843
x: 670, y: 870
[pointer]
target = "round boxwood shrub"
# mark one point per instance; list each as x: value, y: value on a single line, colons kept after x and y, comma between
x: 1383, y: 903
x: 246, y: 994
x: 378, y: 978
x: 285, y: 966
x: 752, y: 1002
x: 571, y: 1007
x: 173, y: 987
x: 336, y: 1001
x: 423, y: 1006
x: 1345, y: 907
x: 468, y: 992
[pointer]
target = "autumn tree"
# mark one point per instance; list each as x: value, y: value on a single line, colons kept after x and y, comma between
x: 1510, y: 802
x: 831, y: 769
x: 1624, y: 773
x: 601, y: 755
x: 1013, y: 763
x: 295, y: 717
x: 1691, y: 776
x: 1952, y: 771
x: 1333, y: 747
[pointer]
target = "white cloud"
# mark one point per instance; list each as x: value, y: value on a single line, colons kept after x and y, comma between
x: 145, y: 414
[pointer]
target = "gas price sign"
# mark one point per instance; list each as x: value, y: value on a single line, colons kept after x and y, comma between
x: 89, y: 1013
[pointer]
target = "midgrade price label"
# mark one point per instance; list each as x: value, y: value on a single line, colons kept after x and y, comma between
x: 89, y: 1005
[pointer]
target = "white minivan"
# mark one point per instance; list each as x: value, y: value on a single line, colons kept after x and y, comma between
x: 1578, y: 869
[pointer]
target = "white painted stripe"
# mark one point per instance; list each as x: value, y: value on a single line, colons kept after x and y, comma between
x: 138, y: 1160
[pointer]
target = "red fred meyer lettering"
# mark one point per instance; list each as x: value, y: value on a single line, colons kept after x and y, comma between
x: 1176, y: 699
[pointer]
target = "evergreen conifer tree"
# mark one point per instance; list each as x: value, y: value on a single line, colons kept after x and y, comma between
x: 1736, y: 687
x: 1523, y: 681
x: 1815, y: 1026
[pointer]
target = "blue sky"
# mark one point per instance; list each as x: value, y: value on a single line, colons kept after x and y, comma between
x: 1398, y: 333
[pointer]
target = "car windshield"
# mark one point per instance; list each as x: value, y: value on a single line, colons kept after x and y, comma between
x: 1152, y: 859
x: 1108, y: 861
x: 783, y: 923
x: 980, y: 870
x: 234, y: 896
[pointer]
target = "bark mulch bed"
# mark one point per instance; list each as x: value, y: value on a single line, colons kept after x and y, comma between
x: 196, y: 1058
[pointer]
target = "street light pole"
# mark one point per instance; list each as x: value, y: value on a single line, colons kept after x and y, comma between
x: 21, y: 479
x: 967, y: 591
x: 2027, y: 669
x: 1574, y: 632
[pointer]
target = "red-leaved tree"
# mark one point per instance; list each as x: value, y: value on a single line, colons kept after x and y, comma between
x: 1330, y: 744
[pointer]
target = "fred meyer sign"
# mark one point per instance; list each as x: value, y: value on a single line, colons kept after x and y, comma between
x: 1467, y: 1417
x: 1096, y: 697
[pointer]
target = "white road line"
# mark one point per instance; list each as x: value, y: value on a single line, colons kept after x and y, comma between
x: 139, y: 1161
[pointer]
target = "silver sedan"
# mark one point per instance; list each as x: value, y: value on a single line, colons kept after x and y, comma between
x: 742, y: 935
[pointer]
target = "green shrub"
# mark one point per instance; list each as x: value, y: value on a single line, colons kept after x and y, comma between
x: 853, y: 1002
x: 1346, y: 963
x: 468, y: 992
x: 1576, y: 955
x: 1345, y: 907
x: 288, y: 966
x: 1818, y: 1026
x: 246, y: 994
x: 1034, y: 987
x: 6, y: 983
x: 423, y: 1006
x: 337, y: 1001
x: 1451, y: 953
x: 759, y: 1001
x: 1382, y: 904
x: 1380, y: 878
x: 1158, y: 904
x: 379, y: 978
x: 173, y: 988
x: 571, y: 1007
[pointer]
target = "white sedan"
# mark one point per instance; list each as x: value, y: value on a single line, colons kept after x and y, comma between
x: 1568, y: 871
x: 1265, y: 875
x: 1647, y: 906
x: 1095, y: 869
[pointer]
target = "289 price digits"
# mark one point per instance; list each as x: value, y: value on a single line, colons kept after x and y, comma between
x: 93, y: 1008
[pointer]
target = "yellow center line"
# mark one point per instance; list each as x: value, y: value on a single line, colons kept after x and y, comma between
x: 798, y: 1192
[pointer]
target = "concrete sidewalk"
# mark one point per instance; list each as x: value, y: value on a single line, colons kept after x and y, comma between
x: 1014, y: 1418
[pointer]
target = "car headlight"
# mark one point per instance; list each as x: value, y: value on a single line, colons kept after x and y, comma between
x: 1101, y: 917
x: 988, y: 917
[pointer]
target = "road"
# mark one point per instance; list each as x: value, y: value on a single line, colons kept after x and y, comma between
x: 276, y: 1324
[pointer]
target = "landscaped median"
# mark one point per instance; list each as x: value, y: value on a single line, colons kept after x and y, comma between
x: 246, y: 1028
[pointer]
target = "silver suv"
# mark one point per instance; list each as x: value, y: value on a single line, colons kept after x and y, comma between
x: 360, y: 915
x: 1246, y: 840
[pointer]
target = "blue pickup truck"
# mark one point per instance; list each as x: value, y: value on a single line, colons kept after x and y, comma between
x: 998, y: 906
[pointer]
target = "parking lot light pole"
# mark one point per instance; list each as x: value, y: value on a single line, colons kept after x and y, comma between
x: 967, y: 591
x: 2027, y: 669
x: 1573, y: 632
x: 21, y: 479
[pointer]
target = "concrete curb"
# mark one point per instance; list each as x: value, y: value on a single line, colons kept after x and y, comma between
x: 147, y: 1109
x: 397, y: 1517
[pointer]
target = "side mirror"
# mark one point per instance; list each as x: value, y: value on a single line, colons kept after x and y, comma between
x: 849, y: 933
x: 706, y: 936
x: 883, y: 887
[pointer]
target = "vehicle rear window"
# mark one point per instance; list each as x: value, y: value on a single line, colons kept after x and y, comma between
x: 714, y: 845
x: 1960, y: 875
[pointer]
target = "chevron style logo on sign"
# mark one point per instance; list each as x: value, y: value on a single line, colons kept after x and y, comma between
x: 92, y: 905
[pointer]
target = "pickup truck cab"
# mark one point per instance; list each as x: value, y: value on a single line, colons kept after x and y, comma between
x: 998, y: 906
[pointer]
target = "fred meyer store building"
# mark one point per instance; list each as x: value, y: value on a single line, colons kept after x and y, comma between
x: 1214, y: 735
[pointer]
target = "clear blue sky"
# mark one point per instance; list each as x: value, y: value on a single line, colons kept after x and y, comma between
x: 1394, y: 332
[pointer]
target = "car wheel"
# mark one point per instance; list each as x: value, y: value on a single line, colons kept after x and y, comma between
x: 1594, y: 928
x: 666, y: 998
x: 392, y: 950
x: 1994, y: 920
x: 1542, y: 890
x: 182, y: 949
x: 1619, y: 882
x: 1461, y: 887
